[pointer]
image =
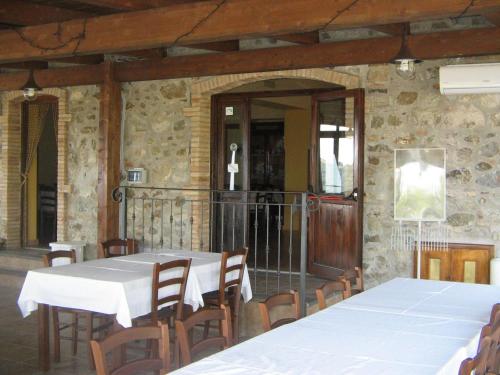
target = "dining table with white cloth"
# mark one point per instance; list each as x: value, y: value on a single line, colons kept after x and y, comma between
x: 403, y: 326
x: 120, y: 286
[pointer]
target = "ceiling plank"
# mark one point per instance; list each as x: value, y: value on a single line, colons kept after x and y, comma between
x: 424, y: 46
x: 129, y: 5
x: 394, y: 29
x: 311, y: 37
x: 188, y: 24
x: 224, y: 46
x: 25, y: 13
x: 494, y: 18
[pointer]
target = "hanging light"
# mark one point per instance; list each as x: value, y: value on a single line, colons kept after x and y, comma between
x: 30, y: 88
x: 404, y: 60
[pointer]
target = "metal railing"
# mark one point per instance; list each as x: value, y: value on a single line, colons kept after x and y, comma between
x: 273, y: 225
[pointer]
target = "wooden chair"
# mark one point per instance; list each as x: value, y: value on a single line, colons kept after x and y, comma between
x: 329, y: 288
x: 282, y: 299
x: 355, y: 277
x: 495, y: 310
x: 48, y: 260
x: 190, y: 348
x: 479, y: 362
x: 115, y: 343
x: 229, y: 292
x: 176, y: 308
x: 117, y: 248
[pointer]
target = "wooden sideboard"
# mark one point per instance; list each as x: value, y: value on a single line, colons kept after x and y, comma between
x: 460, y: 262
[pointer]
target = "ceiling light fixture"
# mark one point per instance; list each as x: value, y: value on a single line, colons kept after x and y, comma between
x: 30, y: 88
x: 404, y: 60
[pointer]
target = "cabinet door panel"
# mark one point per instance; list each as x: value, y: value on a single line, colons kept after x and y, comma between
x: 460, y: 268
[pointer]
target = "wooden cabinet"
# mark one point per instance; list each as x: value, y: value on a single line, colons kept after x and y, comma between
x: 461, y: 262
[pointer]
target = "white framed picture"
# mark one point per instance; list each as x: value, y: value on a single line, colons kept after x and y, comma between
x: 420, y: 184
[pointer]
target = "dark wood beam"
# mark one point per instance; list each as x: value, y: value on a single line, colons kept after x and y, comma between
x: 303, y: 38
x: 394, y: 29
x: 83, y: 60
x: 225, y: 46
x: 108, y: 156
x: 494, y: 18
x: 26, y: 13
x: 471, y: 42
x: 153, y: 53
x: 129, y: 5
x: 188, y: 24
x: 26, y: 65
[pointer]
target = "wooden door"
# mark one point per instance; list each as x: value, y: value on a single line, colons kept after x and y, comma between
x: 336, y: 178
x: 230, y: 216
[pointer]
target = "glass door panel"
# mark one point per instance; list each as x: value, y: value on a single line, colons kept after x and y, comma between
x: 233, y: 116
x: 336, y: 146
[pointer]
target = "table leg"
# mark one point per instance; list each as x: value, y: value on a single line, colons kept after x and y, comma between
x: 43, y: 337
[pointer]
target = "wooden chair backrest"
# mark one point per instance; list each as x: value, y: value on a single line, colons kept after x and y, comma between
x: 114, y: 341
x: 224, y: 283
x: 189, y: 348
x: 330, y: 287
x: 58, y: 254
x: 282, y: 299
x: 117, y: 247
x: 495, y: 312
x: 355, y: 276
x: 160, y: 283
x: 479, y: 362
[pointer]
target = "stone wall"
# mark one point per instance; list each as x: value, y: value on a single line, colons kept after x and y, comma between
x: 2, y: 177
x: 83, y: 102
x: 157, y: 135
x: 399, y: 114
x: 411, y: 114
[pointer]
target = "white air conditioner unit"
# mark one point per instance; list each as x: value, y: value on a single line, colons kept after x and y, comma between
x: 469, y: 79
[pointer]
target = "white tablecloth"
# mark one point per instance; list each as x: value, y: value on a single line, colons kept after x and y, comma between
x: 404, y: 326
x: 121, y: 285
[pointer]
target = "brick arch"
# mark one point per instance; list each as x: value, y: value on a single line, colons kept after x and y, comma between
x: 200, y: 116
x: 10, y: 185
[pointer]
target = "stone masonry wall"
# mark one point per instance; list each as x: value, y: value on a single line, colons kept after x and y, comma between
x: 412, y: 114
x: 399, y: 114
x: 2, y: 176
x: 83, y: 102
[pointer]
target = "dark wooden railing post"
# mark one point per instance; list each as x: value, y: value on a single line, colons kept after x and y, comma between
x: 108, y: 155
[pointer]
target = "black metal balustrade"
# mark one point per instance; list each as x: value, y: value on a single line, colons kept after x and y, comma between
x: 273, y: 225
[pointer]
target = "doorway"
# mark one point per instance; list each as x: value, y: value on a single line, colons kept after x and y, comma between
x: 39, y: 172
x: 286, y: 143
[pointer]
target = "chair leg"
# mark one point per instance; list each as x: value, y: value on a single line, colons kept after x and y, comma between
x: 74, y: 336
x: 89, y: 335
x: 57, y: 337
x: 236, y: 329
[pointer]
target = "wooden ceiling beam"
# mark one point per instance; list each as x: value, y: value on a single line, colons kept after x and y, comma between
x: 130, y: 5
x: 494, y: 18
x: 23, y: 13
x: 83, y: 60
x: 185, y: 24
x: 26, y: 65
x: 224, y: 46
x: 424, y: 46
x: 311, y: 37
x: 393, y: 29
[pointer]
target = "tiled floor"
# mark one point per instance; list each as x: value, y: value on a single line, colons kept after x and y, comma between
x: 19, y: 346
x: 19, y: 337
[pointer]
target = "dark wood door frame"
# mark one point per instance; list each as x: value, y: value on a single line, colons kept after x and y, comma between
x: 340, y: 208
